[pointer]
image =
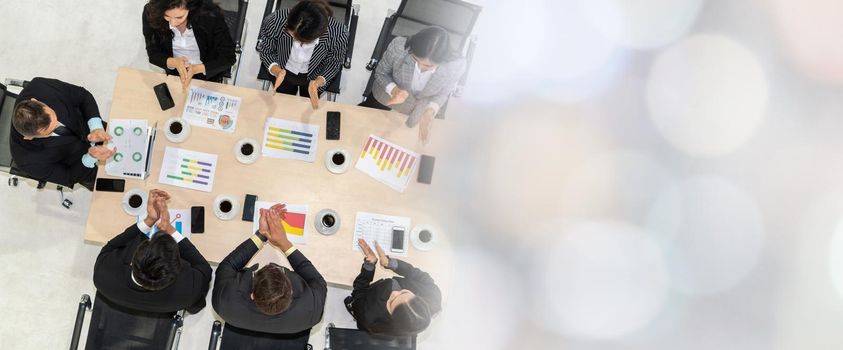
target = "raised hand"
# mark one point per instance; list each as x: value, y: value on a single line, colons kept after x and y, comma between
x: 383, y: 257
x: 367, y: 251
x: 280, y: 73
x: 397, y: 96
x: 99, y: 135
x: 101, y: 153
x: 313, y: 90
x: 425, y: 125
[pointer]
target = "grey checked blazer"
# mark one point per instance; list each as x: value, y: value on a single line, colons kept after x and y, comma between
x: 328, y: 55
x: 397, y: 65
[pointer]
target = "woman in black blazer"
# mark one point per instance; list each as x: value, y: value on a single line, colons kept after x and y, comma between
x: 395, y: 306
x: 189, y: 38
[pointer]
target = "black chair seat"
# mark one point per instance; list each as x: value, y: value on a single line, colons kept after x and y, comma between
x: 115, y: 327
x: 238, y: 338
x: 354, y: 339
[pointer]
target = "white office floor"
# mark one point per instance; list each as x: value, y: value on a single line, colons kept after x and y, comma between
x: 44, y: 264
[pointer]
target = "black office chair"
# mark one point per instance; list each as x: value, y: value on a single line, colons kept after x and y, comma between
x: 235, y: 17
x: 7, y: 164
x: 355, y: 339
x: 455, y: 16
x: 344, y: 11
x: 115, y: 327
x: 234, y: 338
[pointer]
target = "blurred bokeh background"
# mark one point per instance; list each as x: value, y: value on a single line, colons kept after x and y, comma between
x: 651, y: 174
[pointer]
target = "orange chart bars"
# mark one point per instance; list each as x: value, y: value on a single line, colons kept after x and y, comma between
x: 387, y: 162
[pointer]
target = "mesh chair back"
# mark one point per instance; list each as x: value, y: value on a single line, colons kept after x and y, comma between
x: 7, y: 106
x: 115, y: 327
x: 457, y: 17
x: 354, y: 339
x: 234, y: 338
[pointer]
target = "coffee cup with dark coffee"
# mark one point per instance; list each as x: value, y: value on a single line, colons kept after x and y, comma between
x: 336, y: 160
x: 327, y: 222
x: 177, y: 130
x: 425, y: 236
x: 225, y: 206
x: 246, y: 151
x: 135, y: 201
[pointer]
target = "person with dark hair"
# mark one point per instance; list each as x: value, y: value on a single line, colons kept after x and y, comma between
x: 271, y: 299
x: 189, y: 38
x: 415, y: 76
x: 55, y: 126
x: 304, y: 48
x: 162, y: 273
x: 394, y: 306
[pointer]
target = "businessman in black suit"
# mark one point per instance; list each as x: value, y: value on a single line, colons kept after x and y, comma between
x: 55, y: 126
x: 272, y: 299
x: 164, y: 273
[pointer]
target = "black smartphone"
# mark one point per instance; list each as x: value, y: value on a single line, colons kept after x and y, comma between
x: 197, y: 219
x: 110, y: 185
x: 165, y: 100
x: 249, y: 207
x: 398, y: 239
x: 426, y: 169
x: 332, y: 129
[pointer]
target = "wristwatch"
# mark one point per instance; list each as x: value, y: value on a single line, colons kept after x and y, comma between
x: 261, y: 236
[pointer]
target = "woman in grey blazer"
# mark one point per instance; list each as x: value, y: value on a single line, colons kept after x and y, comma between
x: 415, y: 77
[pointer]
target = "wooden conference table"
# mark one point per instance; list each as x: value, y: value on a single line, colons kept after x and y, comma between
x: 277, y: 180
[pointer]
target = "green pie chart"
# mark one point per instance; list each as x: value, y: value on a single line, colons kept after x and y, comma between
x: 118, y: 131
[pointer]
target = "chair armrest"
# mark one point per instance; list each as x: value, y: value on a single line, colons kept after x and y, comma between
x: 383, y: 37
x: 215, y: 335
x: 84, y: 305
x: 469, y: 56
x: 175, y: 328
x: 240, y: 36
x: 352, y: 33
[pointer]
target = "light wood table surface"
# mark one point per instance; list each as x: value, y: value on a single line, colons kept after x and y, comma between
x: 278, y: 180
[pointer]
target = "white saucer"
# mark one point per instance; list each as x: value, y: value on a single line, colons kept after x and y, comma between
x: 235, y: 207
x: 134, y: 211
x: 337, y: 169
x: 423, y: 246
x: 250, y: 158
x: 185, y: 132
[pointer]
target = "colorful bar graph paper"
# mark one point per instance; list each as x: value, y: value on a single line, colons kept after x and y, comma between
x: 295, y: 222
x: 189, y: 169
x: 387, y: 162
x: 291, y: 140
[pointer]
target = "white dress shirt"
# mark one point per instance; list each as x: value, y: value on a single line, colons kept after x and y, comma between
x: 184, y: 45
x: 300, y: 54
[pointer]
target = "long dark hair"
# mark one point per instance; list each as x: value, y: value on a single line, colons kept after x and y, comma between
x: 309, y: 19
x: 409, y: 318
x: 156, y: 8
x: 433, y: 43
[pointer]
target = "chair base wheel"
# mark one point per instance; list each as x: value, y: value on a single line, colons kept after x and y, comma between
x: 13, y: 182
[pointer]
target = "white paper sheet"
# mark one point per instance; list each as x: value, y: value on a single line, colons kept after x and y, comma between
x: 387, y: 162
x: 295, y: 224
x: 130, y: 137
x: 211, y: 109
x: 188, y: 169
x: 290, y: 140
x: 373, y: 227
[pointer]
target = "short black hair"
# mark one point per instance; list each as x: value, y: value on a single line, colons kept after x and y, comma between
x: 408, y: 318
x: 156, y: 262
x: 309, y: 19
x: 273, y: 292
x: 433, y: 43
x: 30, y: 118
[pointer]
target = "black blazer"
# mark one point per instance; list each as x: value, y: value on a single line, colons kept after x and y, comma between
x: 233, y: 287
x: 369, y: 300
x: 57, y: 159
x: 216, y: 48
x: 113, y: 277
x: 328, y: 55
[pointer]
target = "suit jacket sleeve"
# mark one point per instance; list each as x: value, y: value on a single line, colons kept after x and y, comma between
x: 332, y: 64
x: 120, y: 241
x: 318, y: 286
x: 361, y: 283
x: 59, y: 173
x: 226, y: 275
x: 156, y: 50
x: 201, y: 272
x: 427, y: 288
x: 270, y: 35
x: 78, y: 97
x: 384, y: 70
x: 223, y: 46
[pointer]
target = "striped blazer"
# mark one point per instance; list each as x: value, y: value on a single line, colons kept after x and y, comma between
x: 328, y: 55
x: 398, y: 66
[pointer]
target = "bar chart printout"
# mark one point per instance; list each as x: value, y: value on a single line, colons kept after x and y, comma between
x: 188, y: 169
x: 295, y: 222
x: 387, y: 162
x: 290, y: 140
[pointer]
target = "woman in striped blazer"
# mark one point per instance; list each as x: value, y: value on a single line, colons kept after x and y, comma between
x: 416, y: 76
x: 304, y: 48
